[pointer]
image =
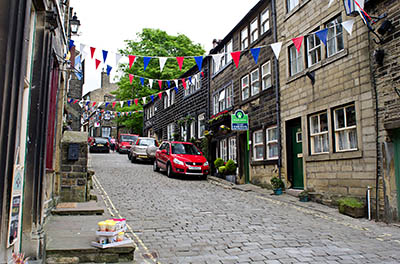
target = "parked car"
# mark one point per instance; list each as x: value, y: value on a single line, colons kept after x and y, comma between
x: 124, y: 142
x: 99, y: 144
x: 139, y: 149
x: 181, y: 158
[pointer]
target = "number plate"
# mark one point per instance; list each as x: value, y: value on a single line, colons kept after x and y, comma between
x: 194, y: 168
x: 142, y: 157
x: 100, y: 145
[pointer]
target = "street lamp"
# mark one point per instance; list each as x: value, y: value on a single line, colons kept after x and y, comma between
x: 74, y: 24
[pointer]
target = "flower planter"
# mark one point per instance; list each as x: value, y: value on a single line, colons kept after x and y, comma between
x: 278, y: 191
x: 352, y: 211
x: 303, y: 199
x: 231, y: 178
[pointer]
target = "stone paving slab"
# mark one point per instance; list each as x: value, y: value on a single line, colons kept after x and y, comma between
x: 84, y: 208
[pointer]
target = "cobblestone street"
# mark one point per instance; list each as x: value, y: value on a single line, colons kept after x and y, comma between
x: 194, y: 221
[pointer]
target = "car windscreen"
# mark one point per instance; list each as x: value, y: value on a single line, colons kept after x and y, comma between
x: 147, y: 142
x: 100, y: 140
x: 186, y: 149
x: 128, y: 138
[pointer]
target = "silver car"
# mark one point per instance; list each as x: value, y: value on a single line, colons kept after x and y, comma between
x: 143, y: 149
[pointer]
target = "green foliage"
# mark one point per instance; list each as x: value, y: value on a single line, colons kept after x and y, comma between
x: 204, y: 147
x: 219, y: 162
x: 303, y: 194
x: 350, y: 202
x: 222, y: 169
x: 230, y: 167
x: 277, y: 183
x: 152, y: 43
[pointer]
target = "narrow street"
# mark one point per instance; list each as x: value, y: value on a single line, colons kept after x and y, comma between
x: 193, y: 221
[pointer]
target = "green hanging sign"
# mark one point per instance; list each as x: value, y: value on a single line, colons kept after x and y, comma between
x: 239, y: 121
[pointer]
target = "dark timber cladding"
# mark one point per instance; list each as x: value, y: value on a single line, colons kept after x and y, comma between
x: 250, y: 87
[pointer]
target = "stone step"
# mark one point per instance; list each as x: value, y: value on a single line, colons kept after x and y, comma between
x: 84, y: 208
x: 293, y: 192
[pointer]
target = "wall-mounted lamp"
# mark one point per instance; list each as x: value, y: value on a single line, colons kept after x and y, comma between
x: 386, y: 27
x: 74, y: 24
x: 379, y: 55
x: 311, y: 75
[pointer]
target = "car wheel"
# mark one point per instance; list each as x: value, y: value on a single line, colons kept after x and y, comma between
x: 170, y: 172
x: 155, y: 166
x: 133, y: 159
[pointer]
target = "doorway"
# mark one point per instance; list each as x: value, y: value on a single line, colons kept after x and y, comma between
x: 294, y: 150
x: 244, y: 158
x: 396, y: 141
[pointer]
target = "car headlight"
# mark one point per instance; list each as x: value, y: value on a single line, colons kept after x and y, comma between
x: 176, y: 161
x: 205, y: 163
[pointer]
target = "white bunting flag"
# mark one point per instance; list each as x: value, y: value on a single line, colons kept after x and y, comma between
x: 168, y: 91
x: 217, y: 59
x: 162, y: 61
x: 348, y: 25
x: 100, y: 103
x: 82, y: 47
x: 144, y: 100
x: 330, y: 3
x: 122, y: 103
x: 276, y: 47
x: 176, y: 83
x: 151, y: 83
x: 117, y: 59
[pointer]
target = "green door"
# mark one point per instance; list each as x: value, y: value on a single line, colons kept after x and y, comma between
x: 297, y: 157
x: 397, y: 167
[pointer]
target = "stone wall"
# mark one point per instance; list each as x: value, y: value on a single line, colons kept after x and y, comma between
x: 74, y: 174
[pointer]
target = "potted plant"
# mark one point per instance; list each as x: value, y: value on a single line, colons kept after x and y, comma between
x: 352, y: 207
x: 277, y: 185
x: 303, y: 196
x: 230, y: 171
x: 219, y: 163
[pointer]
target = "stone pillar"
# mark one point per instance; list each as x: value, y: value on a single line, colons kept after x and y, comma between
x: 74, y: 177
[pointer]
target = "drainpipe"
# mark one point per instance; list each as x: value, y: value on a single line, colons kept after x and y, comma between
x: 277, y: 96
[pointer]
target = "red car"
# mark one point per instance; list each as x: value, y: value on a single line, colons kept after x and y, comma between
x: 181, y: 158
x: 124, y: 142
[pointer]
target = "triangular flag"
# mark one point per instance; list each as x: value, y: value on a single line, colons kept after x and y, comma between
x: 131, y: 60
x: 217, y: 60
x: 131, y: 78
x: 82, y: 47
x: 129, y: 102
x: 255, y: 52
x: 136, y: 101
x: 160, y: 83
x: 151, y: 83
x: 190, y: 79
x: 83, y: 55
x: 176, y: 83
x: 75, y: 101
x: 297, y: 42
x: 105, y: 53
x: 144, y: 100
x: 183, y: 83
x: 71, y: 44
x: 276, y: 47
x: 142, y: 80
x: 322, y: 34
x: 97, y: 63
x: 330, y: 3
x: 180, y: 62
x: 100, y: 104
x: 107, y: 103
x: 146, y: 61
x: 168, y: 91
x: 121, y: 103
x: 108, y: 69
x: 117, y: 58
x: 70, y: 100
x: 113, y: 104
x: 199, y: 61
x: 348, y: 25
x: 169, y: 84
x: 152, y: 98
x: 94, y: 103
x: 236, y: 58
x: 202, y: 74
x: 92, y: 50
x: 160, y: 95
x: 162, y: 61
x: 176, y: 89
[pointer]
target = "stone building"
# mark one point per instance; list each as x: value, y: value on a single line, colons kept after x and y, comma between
x: 327, y: 101
x: 252, y: 88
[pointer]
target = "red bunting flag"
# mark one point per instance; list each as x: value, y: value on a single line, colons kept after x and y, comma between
x: 184, y: 83
x: 92, y: 50
x: 113, y: 104
x: 180, y: 62
x: 136, y: 101
x: 202, y: 74
x: 131, y: 78
x: 160, y: 95
x: 97, y: 63
x: 75, y: 101
x: 131, y: 60
x: 94, y: 103
x: 236, y: 58
x: 297, y: 42
x: 160, y: 83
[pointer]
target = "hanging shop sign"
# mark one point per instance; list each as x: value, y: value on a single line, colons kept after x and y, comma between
x: 14, y: 225
x: 239, y: 121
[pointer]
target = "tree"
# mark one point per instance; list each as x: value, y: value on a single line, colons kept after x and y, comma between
x: 151, y: 43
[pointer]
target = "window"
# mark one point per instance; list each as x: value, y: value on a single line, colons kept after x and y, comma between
x: 296, y: 60
x: 258, y: 145
x: 221, y: 100
x: 193, y: 129
x: 272, y: 143
x: 254, y: 30
x: 223, y: 150
x: 335, y: 36
x: 245, y: 87
x: 266, y: 75
x: 264, y: 21
x: 345, y: 128
x: 186, y: 91
x: 229, y: 96
x: 172, y: 97
x: 229, y: 49
x: 197, y: 81
x: 255, y: 82
x: 202, y: 125
x: 232, y: 149
x: 291, y: 4
x: 184, y: 132
x: 170, y: 131
x: 215, y: 104
x: 166, y: 101
x: 313, y: 50
x: 106, y: 132
x: 225, y: 58
x: 319, y: 133
x: 244, y: 38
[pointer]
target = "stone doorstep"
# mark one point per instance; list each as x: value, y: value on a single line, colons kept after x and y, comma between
x: 86, y: 208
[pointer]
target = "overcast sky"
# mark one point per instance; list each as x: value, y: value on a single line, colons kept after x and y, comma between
x: 106, y: 24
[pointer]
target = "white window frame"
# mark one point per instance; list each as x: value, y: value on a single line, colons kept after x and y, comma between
x: 244, y: 38
x: 221, y: 101
x: 223, y: 149
x: 184, y: 132
x: 264, y: 21
x: 296, y: 63
x: 247, y: 87
x: 228, y: 96
x: 197, y: 81
x: 201, y: 118
x: 255, y: 81
x: 215, y: 104
x: 335, y: 33
x: 291, y: 4
x: 166, y: 101
x: 273, y: 142
x: 316, y: 134
x: 228, y: 50
x: 232, y: 149
x: 346, y: 129
x: 170, y: 131
x: 266, y: 75
x: 193, y: 129
x: 172, y: 97
x: 310, y: 50
x: 254, y: 30
x: 186, y: 91
x: 257, y: 144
